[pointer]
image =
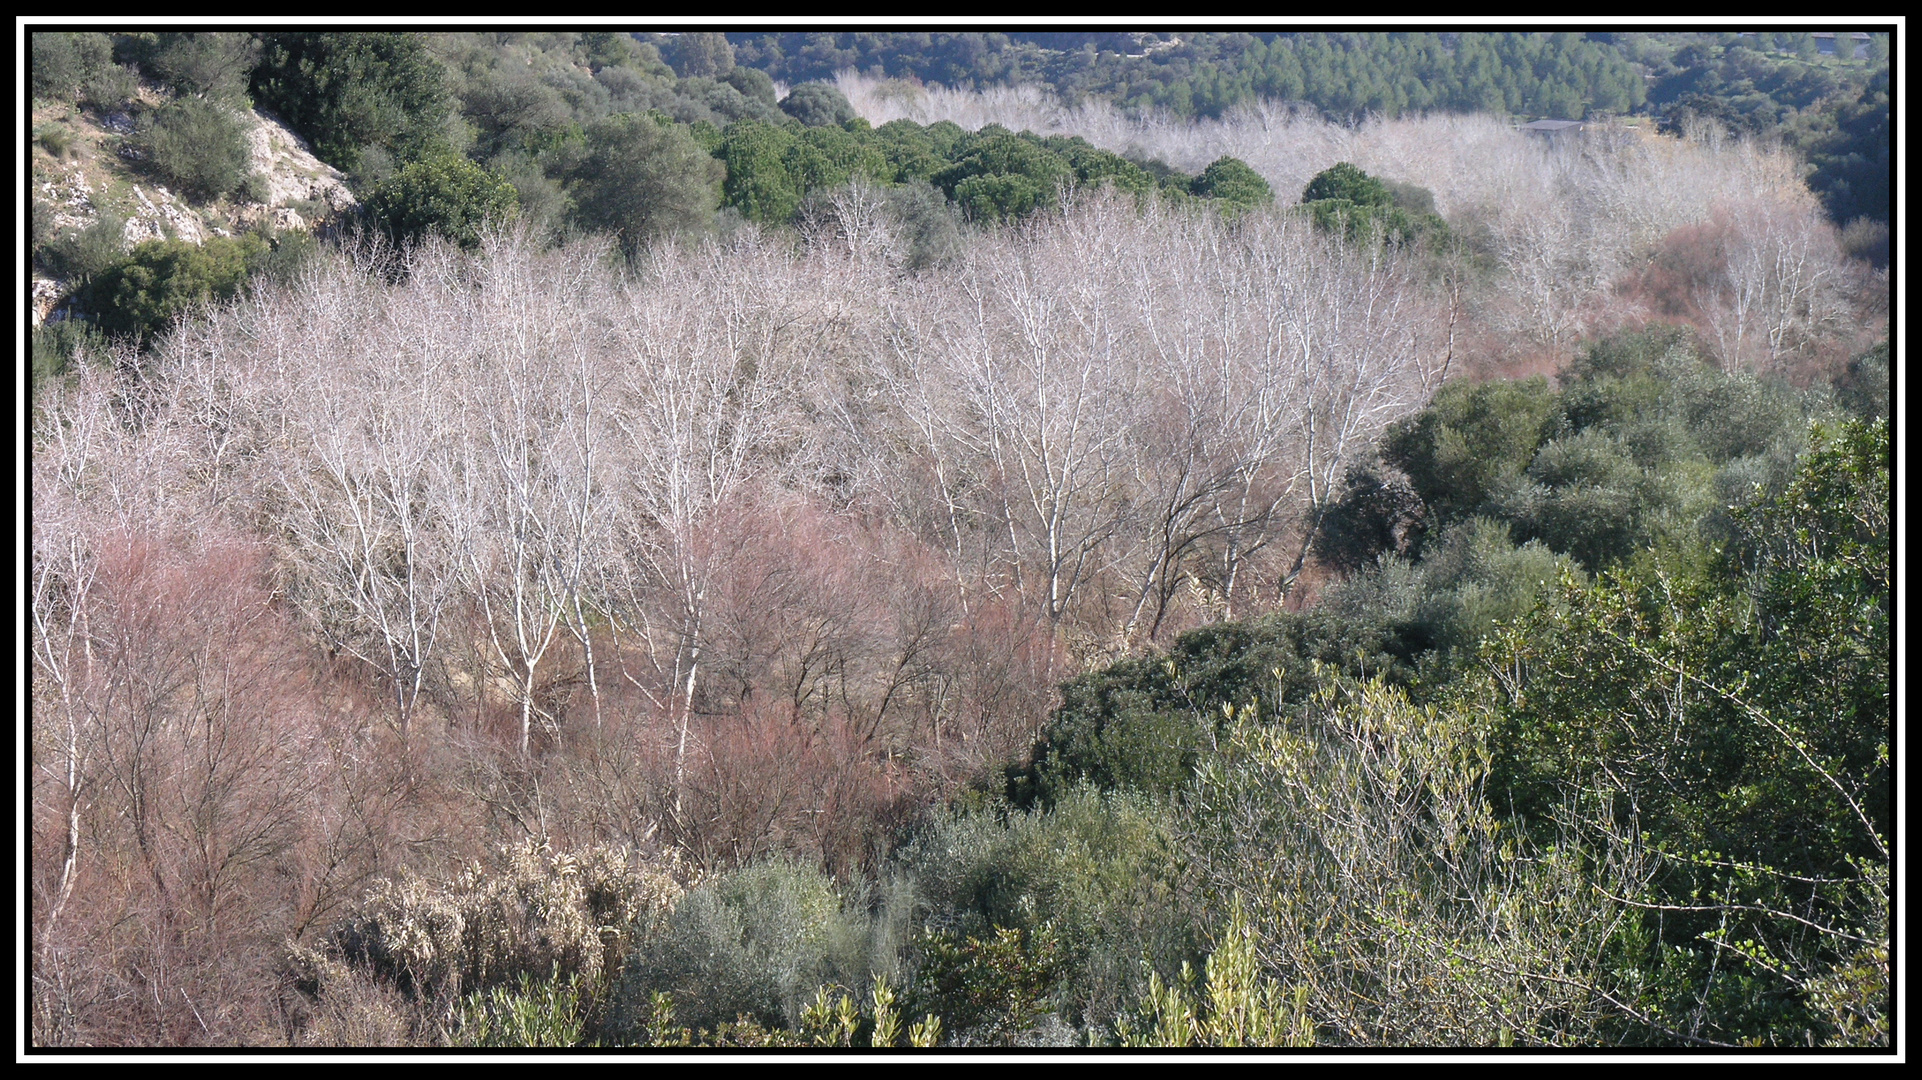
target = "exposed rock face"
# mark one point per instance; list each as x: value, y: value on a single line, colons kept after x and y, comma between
x: 159, y: 213
x: 291, y: 169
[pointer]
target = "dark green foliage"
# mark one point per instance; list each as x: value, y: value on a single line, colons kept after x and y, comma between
x: 1474, y: 437
x: 1477, y: 578
x: 63, y: 62
x: 163, y: 278
x: 542, y: 203
x: 287, y: 254
x: 206, y: 64
x: 752, y: 84
x: 449, y: 196
x: 111, y: 88
x: 1232, y: 186
x: 348, y: 91
x: 817, y: 104
x: 642, y: 181
x: 1349, y: 184
x: 998, y: 175
x: 1737, y: 707
x: 512, y: 110
x: 1640, y: 448
x: 757, y: 942
x: 1374, y: 515
x: 197, y: 146
x: 758, y: 182
x: 990, y: 990
x: 1144, y: 723
x: 1345, y: 200
x: 1205, y: 74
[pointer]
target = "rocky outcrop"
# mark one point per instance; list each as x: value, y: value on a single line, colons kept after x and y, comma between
x: 75, y: 188
x: 293, y: 173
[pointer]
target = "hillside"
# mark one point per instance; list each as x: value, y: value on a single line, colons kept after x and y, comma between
x: 85, y: 164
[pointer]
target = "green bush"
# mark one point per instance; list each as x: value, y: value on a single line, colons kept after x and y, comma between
x: 995, y: 989
x: 529, y: 1013
x: 56, y: 139
x: 80, y: 254
x: 1346, y: 183
x: 63, y: 62
x: 1089, y: 882
x: 1343, y: 199
x: 818, y: 105
x: 449, y: 196
x: 40, y: 224
x: 1476, y: 578
x: 205, y: 64
x: 1864, y: 388
x: 60, y: 348
x: 758, y: 942
x: 352, y: 91
x: 112, y: 87
x: 641, y: 180
x: 929, y: 228
x: 1471, y: 439
x: 1233, y: 186
x: 196, y: 146
x: 141, y: 294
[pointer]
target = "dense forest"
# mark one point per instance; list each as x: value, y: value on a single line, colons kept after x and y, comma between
x: 946, y: 540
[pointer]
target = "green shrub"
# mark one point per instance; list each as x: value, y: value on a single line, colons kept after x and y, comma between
x: 40, y: 222
x: 197, y: 146
x: 80, y: 254
x: 254, y: 188
x: 818, y: 104
x: 63, y: 62
x: 56, y: 139
x: 641, y: 180
x: 1233, y: 1005
x: 346, y: 92
x: 1088, y: 885
x: 1476, y: 577
x: 535, y: 1013
x: 1470, y: 441
x: 1864, y: 388
x: 60, y: 348
x: 1233, y: 186
x: 757, y: 943
x: 996, y: 989
x: 160, y: 279
x: 1344, y: 200
x: 449, y: 196
x: 112, y: 87
x: 205, y: 64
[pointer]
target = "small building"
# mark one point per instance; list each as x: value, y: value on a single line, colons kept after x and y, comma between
x: 1825, y: 44
x: 1552, y: 128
